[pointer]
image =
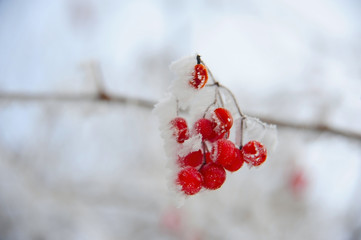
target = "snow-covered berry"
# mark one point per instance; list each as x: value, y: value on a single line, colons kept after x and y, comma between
x: 254, y: 153
x: 223, y: 119
x: 193, y: 159
x: 199, y: 76
x: 205, y: 127
x: 208, y: 157
x: 214, y: 176
x: 223, y: 152
x: 190, y: 180
x: 180, y: 129
x: 218, y: 136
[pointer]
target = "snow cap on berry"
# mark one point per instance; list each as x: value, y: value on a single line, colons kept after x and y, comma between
x: 223, y: 119
x: 193, y: 159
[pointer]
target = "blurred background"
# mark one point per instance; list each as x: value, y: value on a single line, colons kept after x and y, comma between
x: 80, y: 152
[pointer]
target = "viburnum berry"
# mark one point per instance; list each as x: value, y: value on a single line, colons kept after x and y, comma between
x: 205, y: 128
x: 193, y: 159
x: 190, y: 180
x: 254, y: 153
x: 218, y: 136
x: 237, y: 161
x: 223, y: 119
x: 208, y: 157
x: 199, y: 76
x: 214, y: 176
x: 223, y: 152
x: 180, y: 129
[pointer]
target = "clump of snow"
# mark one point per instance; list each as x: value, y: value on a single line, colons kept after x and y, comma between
x: 194, y: 143
x: 180, y: 87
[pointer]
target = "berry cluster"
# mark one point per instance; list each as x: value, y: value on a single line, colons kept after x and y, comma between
x: 212, y: 152
x: 207, y: 166
x: 204, y: 168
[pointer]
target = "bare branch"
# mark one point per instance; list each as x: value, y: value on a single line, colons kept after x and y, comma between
x: 313, y: 127
x: 26, y: 97
x: 148, y: 104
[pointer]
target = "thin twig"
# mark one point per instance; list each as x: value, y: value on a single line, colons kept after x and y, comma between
x: 213, y: 103
x: 218, y: 85
x: 234, y: 100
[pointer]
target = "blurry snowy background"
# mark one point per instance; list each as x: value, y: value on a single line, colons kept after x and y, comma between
x: 76, y: 166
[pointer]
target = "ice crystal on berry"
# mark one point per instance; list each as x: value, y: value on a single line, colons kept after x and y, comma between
x: 224, y: 120
x: 199, y: 76
x: 254, y: 153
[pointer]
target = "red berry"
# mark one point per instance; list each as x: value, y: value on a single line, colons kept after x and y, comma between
x: 208, y: 157
x: 237, y: 161
x: 190, y: 180
x: 193, y: 159
x: 180, y: 129
x: 214, y: 176
x: 200, y: 76
x: 205, y: 128
x: 224, y: 135
x: 224, y: 120
x: 223, y: 152
x: 254, y: 153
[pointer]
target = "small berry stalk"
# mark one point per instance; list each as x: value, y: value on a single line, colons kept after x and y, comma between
x: 203, y: 152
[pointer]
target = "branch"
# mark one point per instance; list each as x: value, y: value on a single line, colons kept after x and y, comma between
x: 148, y: 104
x: 314, y: 128
x: 100, y: 97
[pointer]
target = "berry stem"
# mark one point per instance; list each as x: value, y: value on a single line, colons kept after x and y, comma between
x: 209, y: 72
x: 218, y: 85
x: 242, y: 128
x: 199, y: 61
x: 218, y: 94
x: 213, y: 103
x: 234, y: 100
x: 204, y: 154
